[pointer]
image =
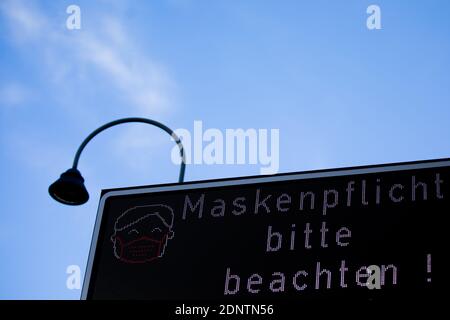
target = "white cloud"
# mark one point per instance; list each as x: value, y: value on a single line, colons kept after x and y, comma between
x: 144, y: 83
x: 73, y: 61
x: 104, y: 50
x: 27, y: 22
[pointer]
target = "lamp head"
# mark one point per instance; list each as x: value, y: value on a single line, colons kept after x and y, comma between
x: 69, y: 188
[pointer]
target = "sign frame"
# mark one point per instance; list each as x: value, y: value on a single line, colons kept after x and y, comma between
x: 238, y: 181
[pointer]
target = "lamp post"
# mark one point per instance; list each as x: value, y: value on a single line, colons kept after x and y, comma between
x: 69, y: 188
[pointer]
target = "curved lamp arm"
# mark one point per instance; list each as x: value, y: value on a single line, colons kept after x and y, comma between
x: 126, y: 120
x: 70, y: 189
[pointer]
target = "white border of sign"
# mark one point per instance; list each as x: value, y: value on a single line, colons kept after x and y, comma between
x: 428, y: 164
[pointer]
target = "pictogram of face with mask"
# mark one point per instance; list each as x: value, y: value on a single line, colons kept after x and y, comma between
x: 141, y: 233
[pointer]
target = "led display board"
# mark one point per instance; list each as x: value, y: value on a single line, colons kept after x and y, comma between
x: 363, y: 233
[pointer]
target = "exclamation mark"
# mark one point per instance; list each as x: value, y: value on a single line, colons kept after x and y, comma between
x: 429, y: 267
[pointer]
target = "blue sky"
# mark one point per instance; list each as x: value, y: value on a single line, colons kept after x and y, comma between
x: 341, y: 95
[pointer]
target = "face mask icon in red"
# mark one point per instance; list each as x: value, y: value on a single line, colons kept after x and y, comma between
x: 141, y: 233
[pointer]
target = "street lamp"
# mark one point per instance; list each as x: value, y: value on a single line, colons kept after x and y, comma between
x: 69, y: 188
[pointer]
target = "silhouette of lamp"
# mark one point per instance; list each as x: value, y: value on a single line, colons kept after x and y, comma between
x: 69, y: 188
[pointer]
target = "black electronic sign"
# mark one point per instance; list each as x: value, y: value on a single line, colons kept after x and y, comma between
x: 362, y: 233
